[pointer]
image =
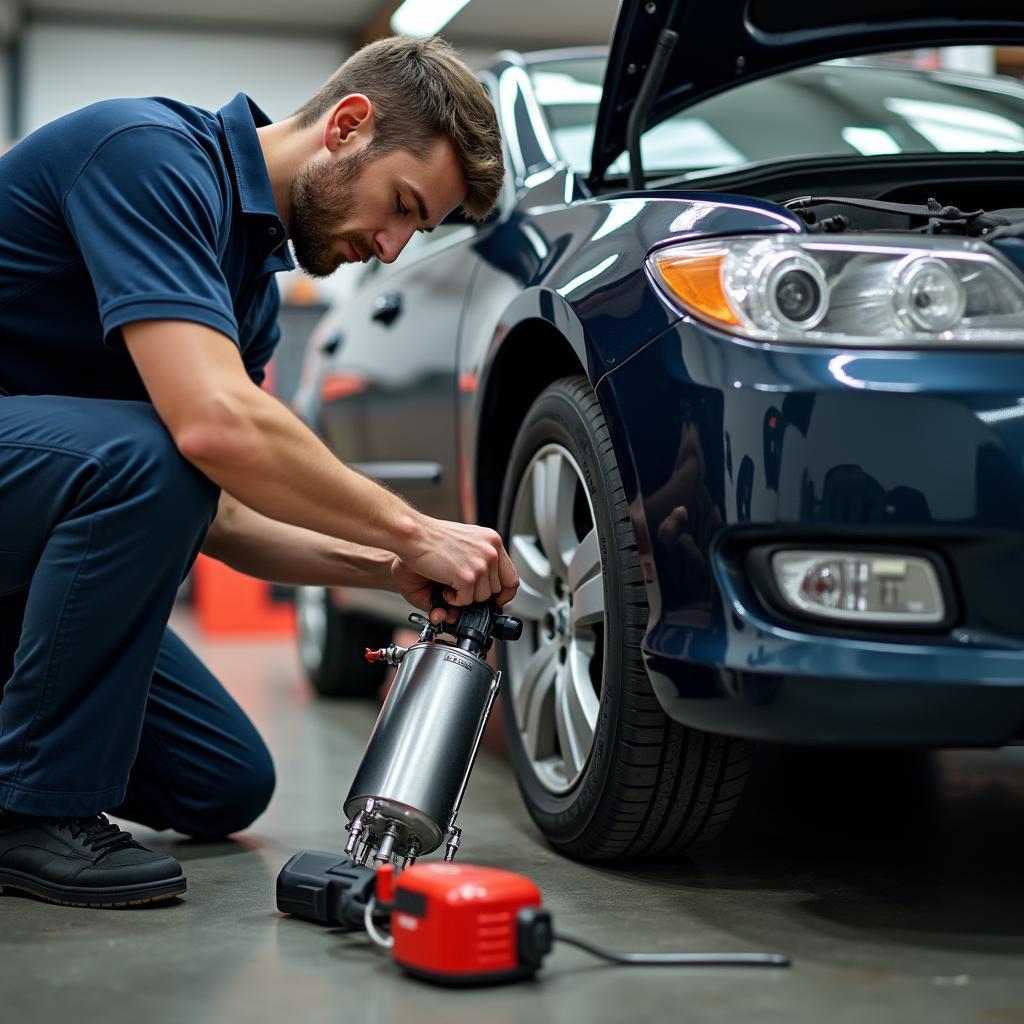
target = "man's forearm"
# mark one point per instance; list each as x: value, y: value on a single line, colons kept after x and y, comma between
x: 267, y: 458
x: 280, y: 553
x: 254, y: 448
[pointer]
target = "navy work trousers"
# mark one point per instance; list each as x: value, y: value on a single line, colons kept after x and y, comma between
x: 103, y: 708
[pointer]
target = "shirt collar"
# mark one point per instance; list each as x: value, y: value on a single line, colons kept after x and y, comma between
x: 240, y: 118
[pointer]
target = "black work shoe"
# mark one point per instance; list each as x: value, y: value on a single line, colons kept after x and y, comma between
x: 83, y: 862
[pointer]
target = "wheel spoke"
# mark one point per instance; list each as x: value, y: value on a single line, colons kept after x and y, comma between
x: 586, y: 561
x: 530, y: 562
x: 575, y: 716
x: 554, y: 490
x: 527, y: 604
x: 531, y: 694
x: 539, y: 727
x: 585, y: 645
x: 535, y: 595
x: 583, y: 700
x: 588, y: 603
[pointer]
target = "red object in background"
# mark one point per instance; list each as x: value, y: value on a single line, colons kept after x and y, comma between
x: 457, y: 923
x: 342, y: 385
x: 227, y: 603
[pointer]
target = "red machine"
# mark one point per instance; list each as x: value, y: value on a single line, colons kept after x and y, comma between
x: 454, y: 924
x: 457, y: 924
x: 461, y: 924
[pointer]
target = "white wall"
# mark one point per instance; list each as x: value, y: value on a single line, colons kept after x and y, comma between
x: 68, y: 66
x: 979, y: 60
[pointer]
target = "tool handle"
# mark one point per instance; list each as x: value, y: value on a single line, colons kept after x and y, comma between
x: 478, y: 624
x: 437, y: 597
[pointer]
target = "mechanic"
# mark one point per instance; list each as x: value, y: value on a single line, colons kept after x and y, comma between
x: 138, y: 244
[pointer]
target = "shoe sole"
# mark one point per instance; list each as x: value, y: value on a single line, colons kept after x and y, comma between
x: 108, y: 898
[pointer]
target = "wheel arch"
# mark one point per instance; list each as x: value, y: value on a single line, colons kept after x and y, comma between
x: 533, y: 355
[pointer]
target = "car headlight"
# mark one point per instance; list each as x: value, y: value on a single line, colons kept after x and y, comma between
x: 858, y: 290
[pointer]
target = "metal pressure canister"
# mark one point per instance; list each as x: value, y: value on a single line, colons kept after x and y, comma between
x: 413, y: 774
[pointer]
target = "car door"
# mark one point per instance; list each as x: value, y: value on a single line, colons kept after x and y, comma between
x: 389, y: 396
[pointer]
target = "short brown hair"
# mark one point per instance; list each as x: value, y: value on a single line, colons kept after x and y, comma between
x: 420, y: 91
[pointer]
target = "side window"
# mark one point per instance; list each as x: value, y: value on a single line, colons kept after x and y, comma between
x: 490, y: 84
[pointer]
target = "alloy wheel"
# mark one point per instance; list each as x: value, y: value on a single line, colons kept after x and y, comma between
x: 556, y: 669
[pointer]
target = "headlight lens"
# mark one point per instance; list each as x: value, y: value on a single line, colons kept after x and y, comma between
x: 789, y: 290
x: 860, y: 290
x: 928, y: 295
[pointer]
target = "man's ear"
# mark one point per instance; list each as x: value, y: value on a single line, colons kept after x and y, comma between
x: 350, y: 121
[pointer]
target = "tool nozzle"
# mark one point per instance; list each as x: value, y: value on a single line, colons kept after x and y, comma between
x: 392, y: 654
x: 454, y: 841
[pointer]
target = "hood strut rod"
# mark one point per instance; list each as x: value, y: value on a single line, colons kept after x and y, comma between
x: 637, y: 122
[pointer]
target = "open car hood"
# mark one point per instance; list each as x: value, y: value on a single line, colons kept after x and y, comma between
x: 722, y: 43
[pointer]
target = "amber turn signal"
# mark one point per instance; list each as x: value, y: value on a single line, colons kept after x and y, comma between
x: 695, y: 279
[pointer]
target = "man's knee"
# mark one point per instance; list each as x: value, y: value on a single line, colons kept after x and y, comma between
x: 240, y: 799
x: 64, y: 458
x: 148, y: 468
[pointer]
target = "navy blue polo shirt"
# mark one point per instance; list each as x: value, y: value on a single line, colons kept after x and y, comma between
x: 126, y: 210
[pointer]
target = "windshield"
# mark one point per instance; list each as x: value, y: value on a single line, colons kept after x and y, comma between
x: 835, y: 108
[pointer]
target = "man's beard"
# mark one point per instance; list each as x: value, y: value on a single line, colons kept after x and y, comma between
x: 324, y: 195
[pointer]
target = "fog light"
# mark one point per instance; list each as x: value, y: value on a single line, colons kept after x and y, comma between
x: 860, y: 587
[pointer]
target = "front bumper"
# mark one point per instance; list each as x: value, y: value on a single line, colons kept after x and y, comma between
x: 724, y: 444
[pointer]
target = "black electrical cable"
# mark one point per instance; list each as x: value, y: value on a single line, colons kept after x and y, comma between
x: 677, y: 959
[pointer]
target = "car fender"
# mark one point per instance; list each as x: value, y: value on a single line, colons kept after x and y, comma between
x: 574, y: 295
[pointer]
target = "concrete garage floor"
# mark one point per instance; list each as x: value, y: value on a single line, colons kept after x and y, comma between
x: 894, y: 883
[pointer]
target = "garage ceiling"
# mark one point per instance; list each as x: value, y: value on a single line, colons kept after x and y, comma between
x: 493, y: 23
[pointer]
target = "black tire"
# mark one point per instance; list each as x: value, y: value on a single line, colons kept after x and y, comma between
x: 332, y: 649
x: 650, y: 787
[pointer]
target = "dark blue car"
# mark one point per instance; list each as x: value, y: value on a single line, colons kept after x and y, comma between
x: 736, y: 370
